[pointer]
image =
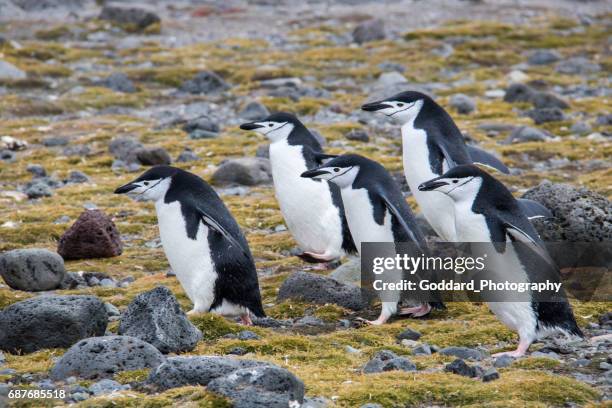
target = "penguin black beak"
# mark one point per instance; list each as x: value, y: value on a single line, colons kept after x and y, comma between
x: 375, y: 106
x: 250, y: 126
x: 432, y: 185
x: 126, y: 188
x: 314, y: 173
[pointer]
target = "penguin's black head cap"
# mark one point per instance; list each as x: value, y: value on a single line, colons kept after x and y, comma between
x: 276, y: 126
x: 151, y: 185
x: 342, y: 170
x: 460, y: 182
x: 403, y: 107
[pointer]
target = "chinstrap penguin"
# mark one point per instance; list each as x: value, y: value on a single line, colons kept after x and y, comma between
x: 486, y: 212
x: 202, y: 241
x: 432, y: 144
x: 376, y: 211
x: 312, y: 209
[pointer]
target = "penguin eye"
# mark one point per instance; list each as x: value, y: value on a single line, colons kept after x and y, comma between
x: 455, y: 181
x: 399, y: 105
x: 271, y: 125
x: 146, y: 183
x: 336, y: 169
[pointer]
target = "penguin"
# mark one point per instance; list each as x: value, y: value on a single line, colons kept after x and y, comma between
x: 202, y: 241
x: 376, y: 211
x: 432, y: 144
x: 312, y: 209
x: 486, y: 212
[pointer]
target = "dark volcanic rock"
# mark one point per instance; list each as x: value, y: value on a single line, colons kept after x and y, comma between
x: 50, y: 322
x: 386, y: 360
x: 32, y: 269
x: 409, y: 334
x: 490, y: 375
x: 262, y: 386
x: 38, y: 189
x: 461, y: 368
x: 463, y: 104
x: 187, y: 155
x: 370, y: 30
x: 204, y: 83
x: 125, y: 148
x: 129, y: 15
x: 544, y: 57
x: 462, y: 352
x: 254, y: 111
x: 202, y: 127
x: 321, y: 290
x: 580, y: 215
x: 195, y: 370
x: 157, y: 318
x: 526, y: 134
x: 93, y: 235
x: 248, y: 171
x: 102, y: 357
x: 153, y: 156
x: 120, y: 82
x: 547, y: 100
x: 519, y: 93
x: 545, y: 115
x: 358, y: 134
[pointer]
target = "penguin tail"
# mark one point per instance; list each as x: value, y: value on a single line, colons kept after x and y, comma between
x: 257, y: 310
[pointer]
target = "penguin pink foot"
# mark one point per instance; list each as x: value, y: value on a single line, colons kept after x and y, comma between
x: 519, y: 352
x: 417, y: 311
x: 246, y: 320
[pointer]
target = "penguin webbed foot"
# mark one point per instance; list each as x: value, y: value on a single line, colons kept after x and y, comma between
x: 378, y: 322
x: 416, y: 311
x: 312, y: 257
x: 246, y: 320
x: 520, y: 351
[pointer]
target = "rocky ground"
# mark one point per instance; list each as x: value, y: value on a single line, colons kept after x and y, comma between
x: 93, y: 95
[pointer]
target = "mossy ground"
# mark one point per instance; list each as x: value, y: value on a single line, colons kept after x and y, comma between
x: 321, y: 361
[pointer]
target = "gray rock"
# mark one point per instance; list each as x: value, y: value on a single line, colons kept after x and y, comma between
x: 490, y: 375
x: 124, y: 148
x: 371, y: 30
x: 460, y: 367
x: 202, y: 134
x: 118, y: 81
x: 422, y: 350
x: 139, y: 17
x: 187, y: 155
x: 205, y: 82
x: 248, y: 171
x: 581, y: 128
x: 76, y: 150
x: 195, y: 370
x: 201, y: 123
x: 319, y: 289
x: 386, y: 360
x: 358, y: 134
x: 247, y: 335
x: 526, y: 134
x: 463, y: 104
x: 7, y: 156
x: 349, y: 272
x: 72, y: 280
x: 37, y: 170
x: 260, y: 386
x: 409, y: 334
x: 38, y: 189
x: 543, y: 57
x: 254, y: 111
x: 604, y: 120
x: 519, y: 93
x: 153, y: 156
x: 238, y: 351
x: 462, y: 353
x: 156, y: 317
x: 580, y: 215
x: 50, y: 322
x: 54, y: 141
x: 10, y: 72
x: 389, y: 79
x: 546, y: 100
x: 371, y: 405
x: 32, y: 269
x: 577, y: 66
x: 503, y: 361
x: 316, y: 402
x: 106, y: 386
x: 103, y: 357
x: 77, y: 177
x: 540, y: 116
x: 111, y: 310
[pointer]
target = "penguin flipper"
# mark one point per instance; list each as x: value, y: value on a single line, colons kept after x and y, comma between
x: 398, y: 216
x: 532, y: 209
x: 480, y: 156
x: 536, y: 246
x: 213, y: 224
x: 449, y: 159
x: 320, y: 157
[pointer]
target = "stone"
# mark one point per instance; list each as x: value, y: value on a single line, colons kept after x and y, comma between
x: 54, y: 141
x: 248, y: 171
x: 254, y: 111
x: 503, y: 361
x: 37, y: 170
x: 524, y: 134
x: 10, y: 72
x: 153, y: 156
x: 490, y: 375
x: 409, y: 334
x: 195, y: 370
x: 118, y: 81
x: 77, y: 177
x: 319, y: 289
x: 106, y: 386
x: 462, y: 353
x: 422, y: 350
x: 76, y: 150
x: 580, y: 215
x: 463, y: 104
x: 370, y: 30
x: 358, y: 135
x: 386, y: 360
x: 156, y: 317
x: 38, y: 189
x: 546, y: 100
x: 577, y: 66
x: 543, y: 57
x: 7, y: 156
x: 103, y: 357
x: 124, y: 148
x: 93, y: 235
x: 247, y: 335
x: 51, y: 322
x: 32, y: 269
x: 349, y: 272
x: 518, y: 93
x: 389, y: 79
x: 205, y: 82
x: 460, y: 367
x: 581, y: 128
x: 261, y: 386
x: 201, y: 123
x: 187, y: 155
x: 238, y: 351
x: 546, y: 115
x: 130, y: 15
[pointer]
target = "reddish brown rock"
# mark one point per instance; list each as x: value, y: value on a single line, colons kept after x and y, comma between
x: 93, y: 235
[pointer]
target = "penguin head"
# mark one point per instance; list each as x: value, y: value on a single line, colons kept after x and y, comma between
x: 342, y: 171
x: 459, y: 183
x: 403, y: 107
x: 152, y: 185
x: 275, y: 127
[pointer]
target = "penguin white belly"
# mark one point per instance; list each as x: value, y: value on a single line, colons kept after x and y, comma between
x: 516, y: 315
x: 436, y: 207
x: 190, y: 259
x: 359, y: 217
x: 306, y: 204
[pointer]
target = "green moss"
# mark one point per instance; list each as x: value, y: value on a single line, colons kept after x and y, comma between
x: 536, y: 363
x: 213, y: 326
x: 134, y: 376
x: 177, y: 397
x: 53, y: 33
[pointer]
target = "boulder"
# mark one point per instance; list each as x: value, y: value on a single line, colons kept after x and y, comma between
x: 370, y: 30
x: 248, y: 171
x: 118, y: 81
x: 546, y: 115
x: 32, y: 269
x: 93, y: 235
x: 526, y: 134
x: 386, y: 360
x: 103, y: 357
x: 51, y: 321
x: 205, y: 82
x: 320, y: 289
x: 463, y: 104
x: 125, y: 14
x: 153, y: 156
x: 460, y: 367
x: 187, y: 155
x: 519, y: 93
x: 38, y: 189
x: 254, y: 111
x: 124, y: 148
x: 463, y: 352
x: 156, y: 317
